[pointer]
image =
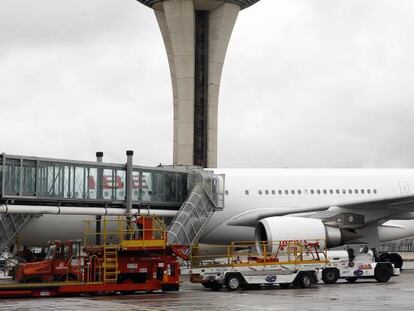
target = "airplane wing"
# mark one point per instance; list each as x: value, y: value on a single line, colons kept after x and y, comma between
x: 403, y: 205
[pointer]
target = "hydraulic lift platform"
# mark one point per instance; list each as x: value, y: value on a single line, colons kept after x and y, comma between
x: 136, y: 257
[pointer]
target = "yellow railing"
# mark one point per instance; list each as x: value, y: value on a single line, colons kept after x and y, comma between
x: 93, y: 270
x: 123, y: 233
x: 259, y: 253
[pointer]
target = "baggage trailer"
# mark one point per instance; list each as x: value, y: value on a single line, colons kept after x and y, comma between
x: 132, y: 257
x: 346, y: 265
x: 282, y: 263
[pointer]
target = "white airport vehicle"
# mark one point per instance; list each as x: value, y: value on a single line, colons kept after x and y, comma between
x: 282, y: 263
x: 346, y: 265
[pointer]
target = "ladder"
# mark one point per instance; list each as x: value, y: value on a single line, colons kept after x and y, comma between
x: 110, y: 263
x: 10, y: 226
x: 206, y: 196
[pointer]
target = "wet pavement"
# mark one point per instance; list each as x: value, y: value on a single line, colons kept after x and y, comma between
x: 397, y: 294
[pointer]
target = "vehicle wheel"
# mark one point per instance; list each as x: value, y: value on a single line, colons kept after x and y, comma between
x: 305, y: 280
x: 284, y: 285
x: 171, y: 288
x: 233, y: 282
x: 383, y: 272
x: 206, y: 284
x: 126, y: 280
x: 216, y: 286
x: 351, y: 279
x: 396, y: 259
x: 68, y: 278
x: 330, y: 276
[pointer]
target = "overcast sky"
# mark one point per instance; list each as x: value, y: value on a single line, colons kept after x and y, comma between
x: 307, y: 83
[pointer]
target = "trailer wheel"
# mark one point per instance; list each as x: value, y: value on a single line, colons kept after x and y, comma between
x: 170, y: 288
x: 305, y: 280
x: 396, y: 259
x: 351, y: 279
x: 69, y: 278
x: 206, y: 284
x: 383, y: 272
x: 330, y: 276
x: 216, y: 286
x: 233, y: 282
x: 284, y: 285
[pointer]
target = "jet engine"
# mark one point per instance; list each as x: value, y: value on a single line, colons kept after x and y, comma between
x: 297, y: 228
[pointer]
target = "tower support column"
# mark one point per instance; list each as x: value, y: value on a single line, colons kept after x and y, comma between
x: 196, y: 35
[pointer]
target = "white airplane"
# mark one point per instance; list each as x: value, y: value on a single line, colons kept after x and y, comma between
x: 338, y: 205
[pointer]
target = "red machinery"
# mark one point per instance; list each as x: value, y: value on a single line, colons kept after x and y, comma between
x: 133, y: 256
x: 61, y: 263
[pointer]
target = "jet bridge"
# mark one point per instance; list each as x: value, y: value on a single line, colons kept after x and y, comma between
x: 31, y: 183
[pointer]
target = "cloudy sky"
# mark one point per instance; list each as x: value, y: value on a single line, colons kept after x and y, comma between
x: 307, y: 83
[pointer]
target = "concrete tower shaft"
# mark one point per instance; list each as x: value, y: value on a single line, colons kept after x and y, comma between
x: 196, y: 34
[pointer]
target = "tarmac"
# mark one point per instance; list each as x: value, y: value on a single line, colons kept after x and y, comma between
x: 397, y: 294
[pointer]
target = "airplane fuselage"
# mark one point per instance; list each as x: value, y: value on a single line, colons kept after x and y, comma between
x: 253, y: 191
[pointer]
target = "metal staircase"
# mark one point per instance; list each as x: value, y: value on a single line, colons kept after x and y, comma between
x: 110, y: 264
x: 206, y: 196
x: 11, y: 225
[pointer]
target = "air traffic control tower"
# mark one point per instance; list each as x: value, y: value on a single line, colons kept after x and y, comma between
x: 196, y: 34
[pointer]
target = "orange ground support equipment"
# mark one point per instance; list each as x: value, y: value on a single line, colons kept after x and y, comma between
x: 61, y: 263
x: 133, y: 256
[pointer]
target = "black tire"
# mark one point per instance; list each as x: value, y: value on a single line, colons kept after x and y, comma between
x: 233, y: 282
x: 68, y: 278
x: 383, y: 272
x: 305, y: 280
x: 216, y: 286
x: 206, y: 284
x: 284, y: 285
x: 122, y: 279
x: 351, y: 279
x: 330, y: 276
x: 396, y: 259
x: 170, y: 288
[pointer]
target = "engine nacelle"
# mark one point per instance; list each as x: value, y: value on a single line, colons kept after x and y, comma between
x: 297, y: 228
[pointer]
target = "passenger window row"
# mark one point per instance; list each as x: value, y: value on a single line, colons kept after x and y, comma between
x: 314, y: 191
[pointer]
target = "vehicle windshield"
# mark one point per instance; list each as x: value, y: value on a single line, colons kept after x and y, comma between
x: 50, y: 251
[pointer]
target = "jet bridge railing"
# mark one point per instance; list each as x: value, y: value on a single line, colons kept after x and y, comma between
x: 42, y: 181
x: 206, y: 195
